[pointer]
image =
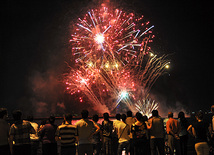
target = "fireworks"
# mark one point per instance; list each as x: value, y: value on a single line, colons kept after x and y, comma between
x: 109, y: 35
x: 145, y: 106
x: 113, y: 62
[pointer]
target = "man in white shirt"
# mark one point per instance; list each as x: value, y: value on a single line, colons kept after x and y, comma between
x: 115, y: 122
x: 114, y: 134
x: 156, y: 127
x: 85, y: 132
x: 123, y: 132
x: 34, y: 138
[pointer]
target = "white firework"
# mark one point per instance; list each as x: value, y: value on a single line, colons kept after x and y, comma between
x: 146, y: 106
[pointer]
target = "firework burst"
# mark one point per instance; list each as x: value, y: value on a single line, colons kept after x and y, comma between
x: 146, y: 106
x: 105, y: 35
x: 84, y: 81
x: 113, y: 60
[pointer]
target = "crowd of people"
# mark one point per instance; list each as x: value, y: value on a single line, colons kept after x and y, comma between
x: 136, y: 135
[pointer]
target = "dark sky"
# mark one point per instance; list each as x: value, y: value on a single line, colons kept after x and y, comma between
x: 34, y: 46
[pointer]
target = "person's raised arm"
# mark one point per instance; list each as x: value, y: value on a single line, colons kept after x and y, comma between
x: 189, y: 129
x: 149, y: 124
x: 97, y: 129
x: 11, y: 143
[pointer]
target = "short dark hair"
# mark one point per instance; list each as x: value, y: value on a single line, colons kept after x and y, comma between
x: 51, y: 119
x: 123, y: 117
x: 106, y: 116
x: 181, y: 115
x: 17, y: 114
x: 3, y: 112
x: 118, y: 116
x: 200, y: 115
x: 145, y: 118
x: 155, y: 113
x: 170, y: 115
x: 95, y: 118
x: 139, y: 116
x: 68, y: 117
x: 43, y: 122
x: 84, y: 114
x: 129, y: 113
x: 30, y: 118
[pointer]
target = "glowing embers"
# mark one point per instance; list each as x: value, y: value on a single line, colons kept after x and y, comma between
x: 99, y: 38
x: 112, y: 61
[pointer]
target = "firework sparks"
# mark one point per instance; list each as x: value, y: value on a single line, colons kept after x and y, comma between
x: 107, y: 35
x: 113, y: 60
x: 146, y: 106
x: 83, y: 81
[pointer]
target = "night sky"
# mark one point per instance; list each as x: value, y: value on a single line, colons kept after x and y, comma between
x: 34, y: 48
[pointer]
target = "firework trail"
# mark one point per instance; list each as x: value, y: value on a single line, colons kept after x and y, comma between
x: 112, y: 60
x: 109, y: 35
x: 147, y: 69
x: 121, y: 85
x: 83, y: 81
x: 146, y: 106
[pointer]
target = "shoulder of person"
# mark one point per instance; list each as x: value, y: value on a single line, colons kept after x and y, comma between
x: 28, y: 123
x: 124, y: 124
x: 91, y: 122
x: 61, y: 126
x: 79, y: 122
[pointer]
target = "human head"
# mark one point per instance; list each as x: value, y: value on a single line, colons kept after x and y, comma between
x: 170, y: 115
x: 181, y: 115
x: 155, y: 113
x: 17, y: 114
x: 145, y: 118
x: 118, y: 116
x: 95, y: 118
x: 129, y: 113
x: 123, y: 117
x: 3, y: 112
x: 199, y: 115
x: 68, y: 117
x: 106, y: 116
x: 212, y: 109
x: 84, y: 114
x: 139, y: 116
x: 51, y: 119
x: 44, y: 121
x: 30, y: 118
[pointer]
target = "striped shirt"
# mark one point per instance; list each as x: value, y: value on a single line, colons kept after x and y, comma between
x: 21, y: 131
x: 67, y: 133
